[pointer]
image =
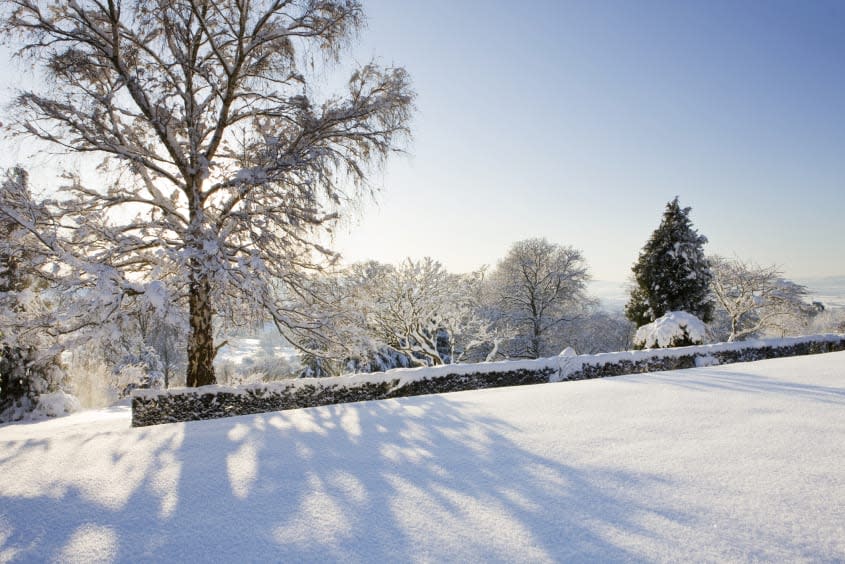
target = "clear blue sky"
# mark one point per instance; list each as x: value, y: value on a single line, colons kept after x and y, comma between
x: 578, y: 121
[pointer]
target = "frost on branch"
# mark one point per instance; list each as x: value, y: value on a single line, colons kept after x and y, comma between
x: 754, y: 300
x: 228, y: 168
x: 377, y: 316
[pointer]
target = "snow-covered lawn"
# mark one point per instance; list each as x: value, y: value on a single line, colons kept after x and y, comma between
x: 738, y: 462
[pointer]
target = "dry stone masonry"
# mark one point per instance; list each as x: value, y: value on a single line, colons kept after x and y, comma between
x: 151, y: 407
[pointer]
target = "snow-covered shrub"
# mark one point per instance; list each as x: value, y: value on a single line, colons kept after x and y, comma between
x: 56, y: 404
x: 674, y: 329
x: 91, y: 379
x: 141, y: 370
x: 29, y: 354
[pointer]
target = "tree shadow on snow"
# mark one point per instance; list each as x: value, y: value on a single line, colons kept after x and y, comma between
x: 725, y: 380
x: 424, y: 478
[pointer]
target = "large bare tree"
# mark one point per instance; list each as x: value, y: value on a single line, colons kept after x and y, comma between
x: 539, y: 286
x: 229, y: 166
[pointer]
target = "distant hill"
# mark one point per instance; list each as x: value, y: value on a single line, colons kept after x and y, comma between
x: 611, y: 294
x: 829, y: 290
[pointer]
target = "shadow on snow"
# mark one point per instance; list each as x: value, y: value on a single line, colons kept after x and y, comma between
x: 416, y: 479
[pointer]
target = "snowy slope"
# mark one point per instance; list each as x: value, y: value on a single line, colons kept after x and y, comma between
x: 739, y: 462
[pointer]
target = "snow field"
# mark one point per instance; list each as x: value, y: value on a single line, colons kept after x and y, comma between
x: 739, y: 462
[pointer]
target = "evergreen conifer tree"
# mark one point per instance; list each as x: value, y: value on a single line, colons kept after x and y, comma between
x: 672, y: 273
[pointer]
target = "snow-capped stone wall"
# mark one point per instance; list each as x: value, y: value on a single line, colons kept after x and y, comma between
x: 152, y: 407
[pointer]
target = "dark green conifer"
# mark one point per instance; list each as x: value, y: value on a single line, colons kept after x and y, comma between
x: 672, y: 273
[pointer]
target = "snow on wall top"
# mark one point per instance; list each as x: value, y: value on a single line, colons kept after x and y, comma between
x: 562, y: 365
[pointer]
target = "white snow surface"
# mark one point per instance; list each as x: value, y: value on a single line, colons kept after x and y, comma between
x: 660, y: 332
x: 741, y: 462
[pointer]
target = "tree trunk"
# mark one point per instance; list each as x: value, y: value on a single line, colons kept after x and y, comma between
x: 536, y: 334
x: 734, y: 326
x: 201, y: 339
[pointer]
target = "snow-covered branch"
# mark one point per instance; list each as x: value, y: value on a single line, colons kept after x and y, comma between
x: 230, y: 171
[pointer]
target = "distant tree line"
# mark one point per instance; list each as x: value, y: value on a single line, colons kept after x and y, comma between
x: 372, y: 316
x: 533, y: 303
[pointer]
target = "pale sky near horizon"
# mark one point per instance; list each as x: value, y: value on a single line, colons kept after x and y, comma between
x: 578, y: 121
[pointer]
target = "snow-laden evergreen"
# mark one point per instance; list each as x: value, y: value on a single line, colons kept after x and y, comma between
x: 672, y: 272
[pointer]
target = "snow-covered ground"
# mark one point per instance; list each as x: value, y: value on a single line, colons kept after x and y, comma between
x: 738, y: 462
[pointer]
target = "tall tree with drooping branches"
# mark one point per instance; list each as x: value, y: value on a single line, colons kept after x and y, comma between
x: 230, y: 167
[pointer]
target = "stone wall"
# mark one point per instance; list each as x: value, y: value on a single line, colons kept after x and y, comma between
x: 211, y: 402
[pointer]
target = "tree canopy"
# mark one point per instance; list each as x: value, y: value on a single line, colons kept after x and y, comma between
x: 226, y: 165
x: 538, y: 286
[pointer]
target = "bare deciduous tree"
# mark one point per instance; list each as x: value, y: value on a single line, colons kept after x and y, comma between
x: 229, y: 167
x: 754, y: 298
x: 412, y: 314
x: 539, y: 286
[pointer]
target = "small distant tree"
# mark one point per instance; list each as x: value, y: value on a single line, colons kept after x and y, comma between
x: 755, y: 299
x: 539, y: 286
x: 672, y: 273
x: 600, y: 331
x: 827, y: 320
